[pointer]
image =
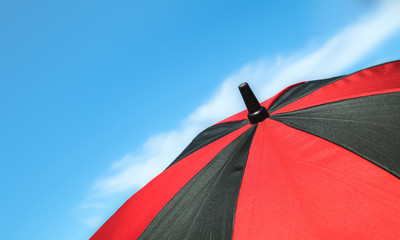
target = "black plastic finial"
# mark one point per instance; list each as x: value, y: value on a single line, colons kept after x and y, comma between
x: 257, y: 113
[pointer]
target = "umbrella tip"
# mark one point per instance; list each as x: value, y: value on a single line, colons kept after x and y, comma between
x: 257, y: 113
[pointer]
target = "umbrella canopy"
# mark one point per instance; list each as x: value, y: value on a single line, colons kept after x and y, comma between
x: 320, y: 160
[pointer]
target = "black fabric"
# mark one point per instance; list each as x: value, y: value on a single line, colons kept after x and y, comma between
x: 205, y: 207
x: 368, y: 126
x: 208, y: 136
x: 302, y: 90
x: 296, y: 92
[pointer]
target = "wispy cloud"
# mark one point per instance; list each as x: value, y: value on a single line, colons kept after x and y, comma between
x: 93, y: 221
x: 343, y: 50
x: 336, y: 55
x: 134, y: 171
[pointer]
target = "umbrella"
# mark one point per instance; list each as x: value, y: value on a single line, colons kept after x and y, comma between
x: 320, y: 160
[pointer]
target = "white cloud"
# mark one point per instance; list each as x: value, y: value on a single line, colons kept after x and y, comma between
x: 341, y: 51
x: 133, y: 172
x: 93, y: 221
x: 332, y: 58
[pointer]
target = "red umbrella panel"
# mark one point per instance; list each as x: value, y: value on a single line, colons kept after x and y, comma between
x: 320, y: 160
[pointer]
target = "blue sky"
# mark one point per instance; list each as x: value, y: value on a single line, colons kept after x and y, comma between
x: 97, y: 97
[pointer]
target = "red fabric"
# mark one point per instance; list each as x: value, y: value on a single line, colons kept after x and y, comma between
x: 134, y: 216
x: 267, y: 103
x: 299, y: 186
x: 376, y: 80
x: 295, y: 185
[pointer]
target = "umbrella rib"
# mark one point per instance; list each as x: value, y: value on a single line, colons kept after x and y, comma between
x: 334, y: 119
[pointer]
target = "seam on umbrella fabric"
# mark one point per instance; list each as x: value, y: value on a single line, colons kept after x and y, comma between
x: 375, y: 138
x: 274, y: 108
x: 214, y: 133
x: 214, y: 186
